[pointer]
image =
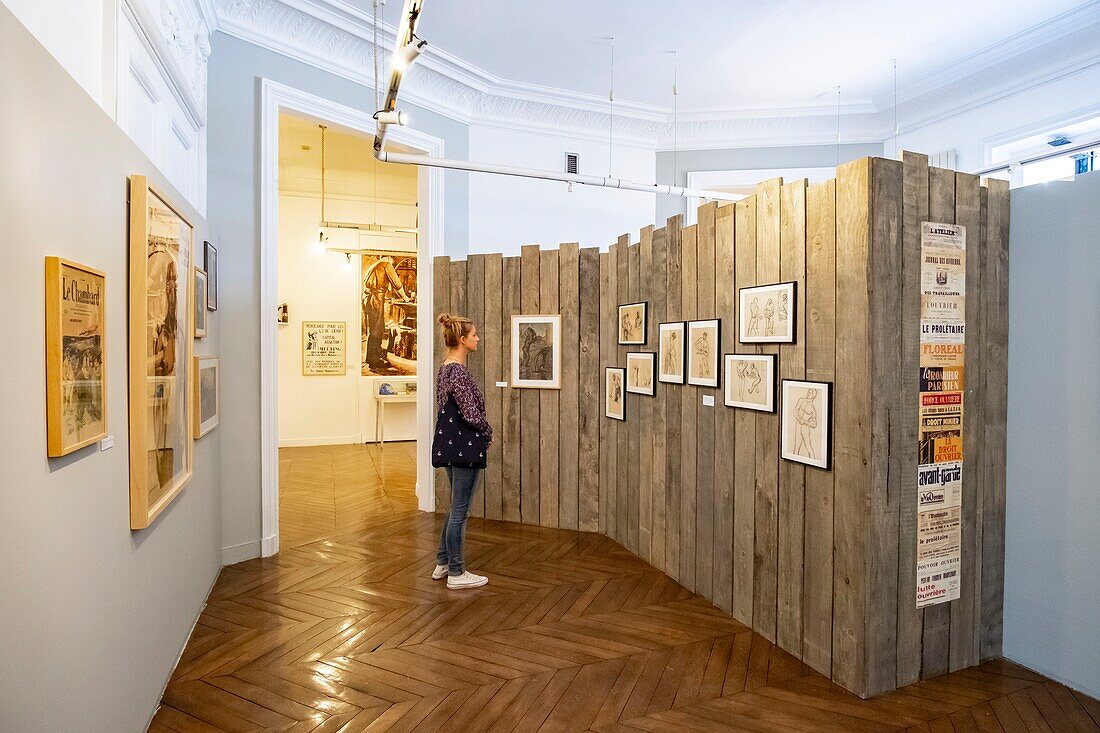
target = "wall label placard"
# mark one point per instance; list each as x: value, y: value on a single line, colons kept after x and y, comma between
x: 324, y: 348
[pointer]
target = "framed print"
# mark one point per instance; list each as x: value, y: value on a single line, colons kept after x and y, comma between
x: 388, y: 309
x: 76, y: 389
x: 207, y: 386
x: 640, y: 368
x: 807, y: 423
x: 615, y: 393
x: 632, y: 323
x: 536, y: 352
x: 704, y: 339
x: 670, y: 348
x: 766, y: 314
x: 750, y: 381
x: 210, y: 266
x: 162, y: 307
x: 324, y: 348
x: 200, y: 303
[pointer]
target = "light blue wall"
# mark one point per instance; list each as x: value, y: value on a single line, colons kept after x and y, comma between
x: 1052, y: 532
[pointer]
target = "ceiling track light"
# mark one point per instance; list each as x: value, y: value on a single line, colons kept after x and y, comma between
x: 404, y: 56
x: 396, y: 117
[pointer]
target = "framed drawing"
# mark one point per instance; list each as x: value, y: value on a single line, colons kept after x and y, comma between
x: 807, y: 423
x: 704, y: 340
x: 161, y: 310
x: 766, y: 314
x: 615, y: 393
x: 324, y: 348
x: 632, y: 323
x: 671, y: 349
x: 210, y: 266
x: 536, y: 352
x: 750, y: 381
x: 640, y: 368
x: 206, y: 389
x: 388, y: 307
x: 200, y: 303
x: 76, y: 390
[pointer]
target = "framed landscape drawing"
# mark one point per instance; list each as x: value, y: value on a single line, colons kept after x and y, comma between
x: 766, y: 314
x: 210, y: 266
x: 536, y: 352
x: 615, y: 393
x: 750, y: 381
x: 807, y: 423
x: 200, y: 303
x: 76, y: 390
x: 671, y: 353
x: 703, y: 340
x: 161, y: 312
x: 206, y: 390
x: 324, y: 348
x: 632, y: 323
x: 640, y: 368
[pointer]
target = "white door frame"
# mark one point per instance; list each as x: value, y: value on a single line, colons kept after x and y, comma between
x: 275, y: 98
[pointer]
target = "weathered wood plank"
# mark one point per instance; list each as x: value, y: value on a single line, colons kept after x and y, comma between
x: 475, y: 362
x: 590, y: 407
x: 621, y: 502
x: 659, y: 419
x: 744, y: 484
x: 674, y: 396
x: 634, y: 433
x: 491, y: 347
x: 569, y: 397
x: 548, y: 401
x: 511, y: 399
x: 704, y: 470
x: 644, y: 489
x: 725, y: 418
x: 530, y: 292
x: 441, y: 288
x: 609, y: 356
x: 689, y: 486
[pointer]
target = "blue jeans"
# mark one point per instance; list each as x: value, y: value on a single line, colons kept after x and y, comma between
x: 463, y: 484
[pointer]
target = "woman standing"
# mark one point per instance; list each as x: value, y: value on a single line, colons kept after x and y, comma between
x: 462, y: 438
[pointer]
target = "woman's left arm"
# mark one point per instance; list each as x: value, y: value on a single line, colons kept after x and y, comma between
x: 465, y: 394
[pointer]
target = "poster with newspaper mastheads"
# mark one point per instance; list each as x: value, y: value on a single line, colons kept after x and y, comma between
x: 940, y: 412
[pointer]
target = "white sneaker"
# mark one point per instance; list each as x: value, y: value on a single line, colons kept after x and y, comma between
x: 466, y: 580
x: 440, y: 572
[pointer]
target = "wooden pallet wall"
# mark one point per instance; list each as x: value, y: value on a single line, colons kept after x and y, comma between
x: 821, y: 562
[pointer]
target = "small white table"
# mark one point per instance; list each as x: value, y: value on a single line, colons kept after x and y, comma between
x: 379, y: 416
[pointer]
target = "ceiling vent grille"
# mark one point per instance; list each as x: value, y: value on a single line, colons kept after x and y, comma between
x: 572, y: 162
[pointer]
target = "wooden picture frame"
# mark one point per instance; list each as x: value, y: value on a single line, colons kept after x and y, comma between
x: 770, y: 322
x: 751, y: 381
x: 641, y: 372
x: 207, y: 394
x: 324, y: 348
x: 160, y: 323
x: 76, y: 367
x: 201, y: 285
x: 705, y: 341
x: 536, y: 352
x: 806, y: 423
x: 670, y: 346
x: 614, y: 393
x: 210, y: 267
x: 633, y: 323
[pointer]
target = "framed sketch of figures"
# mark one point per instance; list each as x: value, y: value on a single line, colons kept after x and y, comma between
x: 388, y: 324
x: 615, y: 393
x: 632, y: 323
x: 200, y: 303
x: 703, y: 342
x: 640, y: 368
x: 536, y: 352
x: 807, y: 423
x: 671, y: 353
x: 750, y: 381
x: 162, y: 307
x: 76, y: 394
x: 206, y: 391
x: 766, y: 314
x: 210, y: 266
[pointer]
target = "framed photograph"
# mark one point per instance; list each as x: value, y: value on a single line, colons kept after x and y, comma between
x: 704, y: 340
x: 750, y: 381
x: 536, y: 352
x: 615, y: 393
x: 807, y: 423
x: 324, y: 348
x: 162, y: 307
x: 640, y: 368
x: 632, y: 323
x: 200, y: 303
x: 76, y: 389
x: 210, y: 266
x: 388, y: 307
x: 670, y: 347
x: 206, y: 390
x: 766, y: 314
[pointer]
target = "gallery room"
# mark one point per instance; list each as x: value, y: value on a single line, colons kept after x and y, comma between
x: 578, y: 366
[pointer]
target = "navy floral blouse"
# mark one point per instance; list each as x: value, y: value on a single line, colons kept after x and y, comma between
x: 463, y: 432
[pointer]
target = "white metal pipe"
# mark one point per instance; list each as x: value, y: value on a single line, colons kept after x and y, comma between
x: 1054, y: 153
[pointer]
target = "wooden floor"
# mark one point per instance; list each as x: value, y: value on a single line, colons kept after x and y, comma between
x: 345, y: 631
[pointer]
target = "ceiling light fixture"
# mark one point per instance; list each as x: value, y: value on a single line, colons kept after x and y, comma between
x: 404, y: 56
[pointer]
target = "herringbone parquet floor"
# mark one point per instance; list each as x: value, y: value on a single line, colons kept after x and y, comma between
x: 345, y: 631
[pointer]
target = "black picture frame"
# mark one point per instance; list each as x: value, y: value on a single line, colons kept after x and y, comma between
x: 651, y: 357
x: 717, y: 351
x: 827, y: 464
x: 210, y: 264
x: 744, y: 338
x: 645, y: 323
x: 774, y: 359
x: 683, y: 352
x: 622, y: 376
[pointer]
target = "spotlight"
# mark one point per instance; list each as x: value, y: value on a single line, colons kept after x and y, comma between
x: 391, y: 118
x: 319, y: 245
x: 404, y: 56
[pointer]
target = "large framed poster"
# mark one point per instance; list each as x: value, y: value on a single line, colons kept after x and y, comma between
x: 324, y: 348
x: 76, y: 390
x: 389, y: 313
x: 162, y: 293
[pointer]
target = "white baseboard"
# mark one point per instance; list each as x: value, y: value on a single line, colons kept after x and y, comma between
x: 241, y: 552
x: 269, y: 546
x: 306, y: 442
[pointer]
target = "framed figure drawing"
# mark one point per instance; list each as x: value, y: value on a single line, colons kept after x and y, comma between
x: 536, y: 352
x: 210, y: 266
x: 200, y: 303
x: 324, y: 348
x: 750, y: 381
x: 615, y: 393
x: 388, y: 307
x: 206, y: 390
x: 640, y: 368
x: 161, y: 313
x: 807, y: 423
x: 703, y: 342
x: 632, y: 323
x: 766, y: 314
x: 76, y: 394
x: 670, y: 349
